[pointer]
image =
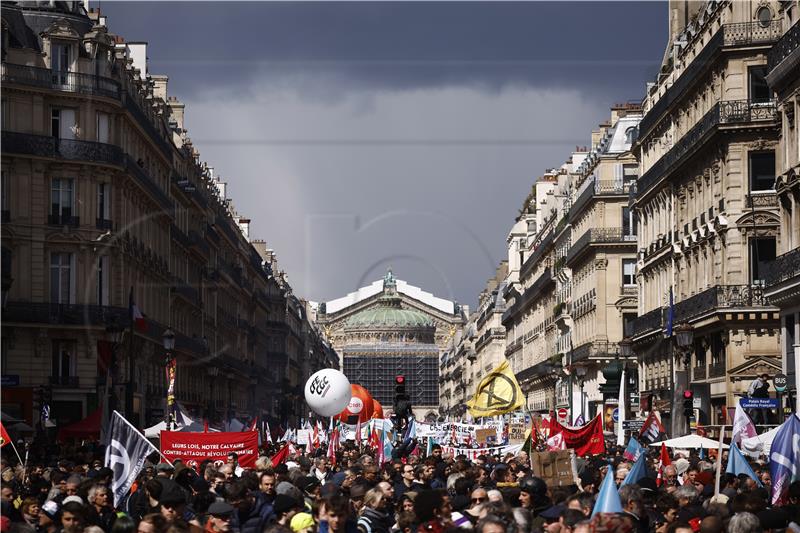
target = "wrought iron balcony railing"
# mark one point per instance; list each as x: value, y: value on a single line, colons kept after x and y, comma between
x: 66, y: 314
x: 699, y: 372
x: 186, y: 291
x: 730, y: 35
x: 720, y: 297
x: 224, y: 224
x: 136, y: 109
x: 198, y: 242
x: 148, y: 183
x: 65, y: 381
x: 722, y: 113
x: 716, y: 371
x: 783, y: 267
x: 70, y: 149
x: 180, y: 236
x: 597, y: 236
x: 63, y: 220
x: 72, y: 82
x: 599, y: 188
x: 787, y: 44
x: 103, y: 224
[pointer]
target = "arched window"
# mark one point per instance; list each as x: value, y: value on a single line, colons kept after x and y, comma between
x: 764, y: 16
x: 630, y: 135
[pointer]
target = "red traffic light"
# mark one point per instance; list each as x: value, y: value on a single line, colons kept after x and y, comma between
x: 400, y: 380
x: 687, y: 394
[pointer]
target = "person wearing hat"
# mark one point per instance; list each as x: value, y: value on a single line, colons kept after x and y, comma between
x: 49, y: 517
x: 303, y: 523
x: 219, y: 517
x: 172, y: 501
x: 533, y: 497
x: 357, y: 493
x: 285, y: 508
x: 164, y: 470
x: 311, y: 487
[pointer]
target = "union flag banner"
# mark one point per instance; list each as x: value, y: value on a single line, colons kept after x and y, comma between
x: 194, y: 448
x: 586, y: 440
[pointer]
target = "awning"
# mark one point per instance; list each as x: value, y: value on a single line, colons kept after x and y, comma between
x: 88, y: 428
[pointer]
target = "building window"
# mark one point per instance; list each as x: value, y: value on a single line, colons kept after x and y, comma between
x: 64, y: 359
x: 762, y: 171
x: 627, y: 324
x: 61, y: 277
x: 762, y: 253
x: 629, y: 272
x: 628, y: 222
x: 60, y: 62
x: 630, y: 171
x: 759, y: 90
x: 102, y: 127
x: 103, y: 277
x: 103, y: 206
x: 630, y: 135
x: 764, y: 16
x: 62, y: 124
x: 717, y: 350
x: 62, y: 198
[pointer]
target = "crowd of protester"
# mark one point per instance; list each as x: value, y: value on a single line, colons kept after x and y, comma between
x: 435, y: 494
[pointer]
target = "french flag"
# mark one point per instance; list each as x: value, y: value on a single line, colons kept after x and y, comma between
x: 136, y: 315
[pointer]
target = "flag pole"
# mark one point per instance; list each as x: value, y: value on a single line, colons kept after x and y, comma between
x: 142, y: 435
x: 11, y: 441
x: 719, y: 459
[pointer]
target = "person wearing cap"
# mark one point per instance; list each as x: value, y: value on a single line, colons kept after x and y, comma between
x: 251, y: 513
x: 173, y: 504
x: 310, y: 486
x: 303, y: 523
x: 49, y: 517
x: 164, y: 470
x: 284, y: 508
x: 357, y: 493
x: 219, y: 517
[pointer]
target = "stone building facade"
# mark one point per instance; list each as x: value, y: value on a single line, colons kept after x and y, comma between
x: 392, y: 328
x: 707, y: 209
x: 106, y: 204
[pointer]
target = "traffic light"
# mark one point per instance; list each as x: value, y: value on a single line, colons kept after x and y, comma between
x: 402, y: 404
x: 688, y: 403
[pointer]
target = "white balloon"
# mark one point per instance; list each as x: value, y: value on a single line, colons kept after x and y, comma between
x: 327, y: 392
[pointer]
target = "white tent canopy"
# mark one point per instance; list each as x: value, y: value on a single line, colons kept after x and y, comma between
x: 760, y: 444
x: 691, y: 441
x: 182, y: 422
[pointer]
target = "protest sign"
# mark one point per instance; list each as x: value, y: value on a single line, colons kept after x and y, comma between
x: 486, y: 436
x: 516, y: 433
x: 194, y: 448
x: 474, y: 453
x: 555, y: 468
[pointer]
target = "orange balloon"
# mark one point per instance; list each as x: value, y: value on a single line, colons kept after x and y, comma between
x: 377, y: 409
x: 360, y: 405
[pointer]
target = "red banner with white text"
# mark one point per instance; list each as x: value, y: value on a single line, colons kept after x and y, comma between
x: 194, y: 448
x: 585, y: 440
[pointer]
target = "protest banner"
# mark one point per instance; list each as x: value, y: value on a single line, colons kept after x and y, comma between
x: 194, y: 448
x: 486, y: 436
x: 473, y: 453
x: 444, y: 431
x: 555, y: 467
x: 516, y: 432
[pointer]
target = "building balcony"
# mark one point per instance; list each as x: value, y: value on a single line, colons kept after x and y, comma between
x: 598, y: 188
x: 699, y: 372
x: 65, y: 314
x: 648, y: 322
x: 786, y: 46
x: 716, y: 371
x: 223, y: 224
x: 55, y: 148
x: 595, y: 350
x: 597, y: 236
x: 72, y: 382
x: 185, y: 291
x: 179, y: 236
x: 136, y: 109
x: 104, y: 224
x: 197, y: 242
x: 720, y: 297
x: 785, y: 267
x: 728, y: 36
x: 63, y: 220
x: 728, y: 112
x: 70, y: 82
x: 148, y: 184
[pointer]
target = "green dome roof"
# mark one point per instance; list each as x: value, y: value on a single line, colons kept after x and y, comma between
x: 389, y: 313
x: 389, y: 316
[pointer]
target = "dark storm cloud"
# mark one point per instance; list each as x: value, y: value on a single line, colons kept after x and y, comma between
x: 399, y: 46
x: 359, y: 136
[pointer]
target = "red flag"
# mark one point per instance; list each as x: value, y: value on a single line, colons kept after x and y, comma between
x: 281, y: 456
x: 586, y: 440
x: 358, y: 433
x: 663, y: 463
x: 4, y: 438
x: 333, y: 445
x: 253, y: 425
x: 652, y: 430
x: 205, y: 426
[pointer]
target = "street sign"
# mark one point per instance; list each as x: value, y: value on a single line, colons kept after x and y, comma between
x: 780, y: 381
x: 562, y: 414
x: 758, y: 403
x: 632, y: 425
x: 696, y: 403
x: 615, y: 415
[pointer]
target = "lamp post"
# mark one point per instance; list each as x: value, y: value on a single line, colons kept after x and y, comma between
x: 684, y: 339
x: 168, y: 339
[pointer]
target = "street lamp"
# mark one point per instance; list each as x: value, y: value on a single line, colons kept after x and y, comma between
x: 168, y: 339
x: 684, y: 335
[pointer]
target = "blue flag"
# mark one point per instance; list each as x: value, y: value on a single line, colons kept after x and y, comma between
x: 608, y: 497
x: 784, y: 456
x: 634, y: 450
x: 702, y: 452
x: 670, y: 314
x: 639, y: 471
x: 411, y: 430
x: 737, y: 464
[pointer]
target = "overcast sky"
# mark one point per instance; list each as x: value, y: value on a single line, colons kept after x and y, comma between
x: 358, y: 136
